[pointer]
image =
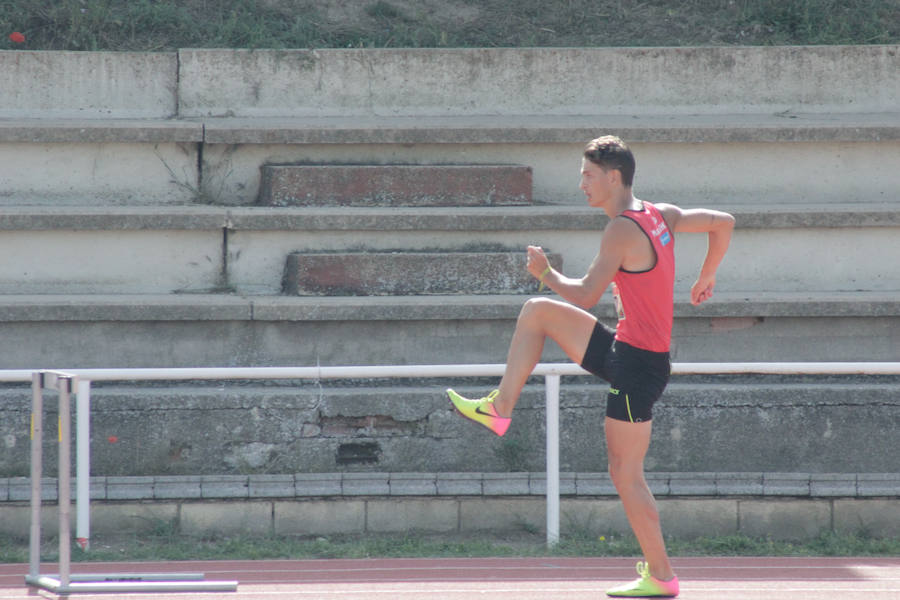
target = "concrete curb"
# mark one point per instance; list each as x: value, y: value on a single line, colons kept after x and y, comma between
x: 787, y: 506
x: 337, y: 485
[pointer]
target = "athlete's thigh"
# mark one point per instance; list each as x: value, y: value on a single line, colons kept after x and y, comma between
x: 626, y: 442
x: 567, y: 325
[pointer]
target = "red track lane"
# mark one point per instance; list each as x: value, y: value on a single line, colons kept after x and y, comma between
x: 502, y: 578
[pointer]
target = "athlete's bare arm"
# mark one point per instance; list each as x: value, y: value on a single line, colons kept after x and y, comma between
x: 718, y: 225
x: 622, y: 240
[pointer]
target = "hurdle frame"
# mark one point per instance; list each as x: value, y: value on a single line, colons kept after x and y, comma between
x: 65, y: 583
x: 552, y: 372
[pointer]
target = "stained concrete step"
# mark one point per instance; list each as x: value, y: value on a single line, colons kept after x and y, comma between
x: 410, y: 273
x: 394, y: 185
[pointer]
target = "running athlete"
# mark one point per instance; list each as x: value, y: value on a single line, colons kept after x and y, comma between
x: 637, y: 257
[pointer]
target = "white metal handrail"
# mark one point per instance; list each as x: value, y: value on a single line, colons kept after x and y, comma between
x: 460, y: 370
x: 551, y: 372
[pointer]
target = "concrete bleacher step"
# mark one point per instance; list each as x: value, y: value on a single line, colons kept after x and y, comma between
x: 410, y: 273
x: 671, y: 151
x: 199, y: 249
x: 222, y: 161
x: 124, y: 330
x: 109, y: 162
x: 394, y: 185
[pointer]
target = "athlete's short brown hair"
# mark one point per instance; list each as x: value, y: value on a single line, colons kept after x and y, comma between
x: 610, y: 152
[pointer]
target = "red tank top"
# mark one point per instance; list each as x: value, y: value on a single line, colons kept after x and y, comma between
x: 644, y: 299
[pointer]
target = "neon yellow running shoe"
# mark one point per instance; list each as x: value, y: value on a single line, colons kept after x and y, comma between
x: 647, y: 586
x: 481, y: 411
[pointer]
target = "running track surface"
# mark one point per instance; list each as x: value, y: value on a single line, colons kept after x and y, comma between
x: 501, y: 578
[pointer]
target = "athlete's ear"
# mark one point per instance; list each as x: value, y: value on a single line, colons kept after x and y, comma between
x: 615, y: 176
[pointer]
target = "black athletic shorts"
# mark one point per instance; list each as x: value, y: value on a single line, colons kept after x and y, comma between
x: 637, y: 377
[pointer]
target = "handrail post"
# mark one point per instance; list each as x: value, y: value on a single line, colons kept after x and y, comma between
x: 37, y: 436
x: 552, y: 393
x: 64, y: 386
x: 83, y: 464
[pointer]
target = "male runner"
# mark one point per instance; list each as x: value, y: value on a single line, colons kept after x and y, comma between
x: 637, y: 256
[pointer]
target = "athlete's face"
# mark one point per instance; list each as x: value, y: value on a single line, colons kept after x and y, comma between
x: 596, y: 183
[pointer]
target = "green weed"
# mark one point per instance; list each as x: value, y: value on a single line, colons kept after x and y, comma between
x: 162, y: 543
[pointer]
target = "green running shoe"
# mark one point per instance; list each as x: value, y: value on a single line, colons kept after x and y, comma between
x: 481, y: 411
x: 646, y: 587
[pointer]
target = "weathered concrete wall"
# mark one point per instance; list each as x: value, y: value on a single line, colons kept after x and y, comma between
x: 533, y: 81
x: 104, y: 85
x: 746, y: 426
x: 508, y: 81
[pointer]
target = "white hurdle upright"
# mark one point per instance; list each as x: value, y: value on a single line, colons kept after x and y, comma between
x: 65, y: 583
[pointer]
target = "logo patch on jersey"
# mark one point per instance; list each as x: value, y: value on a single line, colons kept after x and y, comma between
x: 662, y: 232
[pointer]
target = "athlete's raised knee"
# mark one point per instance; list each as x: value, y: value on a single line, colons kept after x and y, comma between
x: 532, y: 309
x: 535, y: 307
